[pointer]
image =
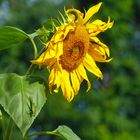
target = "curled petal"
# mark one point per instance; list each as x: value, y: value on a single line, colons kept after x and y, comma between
x: 98, y: 26
x: 103, y: 48
x: 75, y: 15
x: 96, y: 52
x: 75, y: 81
x: 82, y: 73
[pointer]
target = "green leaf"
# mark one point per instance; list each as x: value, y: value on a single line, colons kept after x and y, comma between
x: 62, y: 131
x: 66, y: 133
x: 21, y: 99
x: 11, y: 37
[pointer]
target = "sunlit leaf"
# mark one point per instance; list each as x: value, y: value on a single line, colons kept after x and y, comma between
x: 66, y: 133
x: 21, y: 99
x: 11, y: 37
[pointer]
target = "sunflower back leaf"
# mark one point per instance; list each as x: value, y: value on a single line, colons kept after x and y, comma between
x: 47, y: 30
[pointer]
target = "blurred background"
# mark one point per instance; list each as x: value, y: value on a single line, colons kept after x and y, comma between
x: 111, y: 109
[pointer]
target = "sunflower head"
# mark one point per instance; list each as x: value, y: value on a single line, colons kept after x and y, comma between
x: 73, y: 49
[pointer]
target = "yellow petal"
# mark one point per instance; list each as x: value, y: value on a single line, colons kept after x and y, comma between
x: 76, y: 13
x: 57, y: 80
x: 94, y: 9
x: 46, y: 58
x: 62, y: 33
x: 66, y: 86
x: 82, y: 72
x: 68, y: 28
x: 97, y: 55
x: 41, y: 58
x: 98, y: 26
x: 91, y: 66
x: 103, y: 47
x: 59, y: 49
x: 75, y: 82
x: 58, y: 36
x: 102, y: 24
x: 51, y: 79
x: 49, y: 62
x: 70, y: 11
x: 97, y: 22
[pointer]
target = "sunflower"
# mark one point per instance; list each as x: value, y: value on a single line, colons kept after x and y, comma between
x: 73, y: 49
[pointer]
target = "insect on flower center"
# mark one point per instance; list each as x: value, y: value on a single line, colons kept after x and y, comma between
x: 74, y: 48
x: 77, y: 50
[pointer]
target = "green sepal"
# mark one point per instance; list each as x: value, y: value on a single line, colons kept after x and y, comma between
x: 47, y: 30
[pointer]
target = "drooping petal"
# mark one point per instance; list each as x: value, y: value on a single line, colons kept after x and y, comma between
x: 51, y: 78
x: 91, y: 66
x: 49, y: 62
x: 41, y: 58
x: 97, y: 54
x: 48, y: 58
x: 94, y: 9
x: 103, y: 47
x: 58, y: 77
x: 66, y: 86
x: 55, y: 78
x: 75, y: 81
x: 82, y: 73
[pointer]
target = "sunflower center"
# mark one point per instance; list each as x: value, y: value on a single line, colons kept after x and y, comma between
x: 75, y: 50
x: 75, y: 46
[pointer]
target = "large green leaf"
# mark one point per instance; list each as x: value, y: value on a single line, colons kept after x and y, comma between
x: 21, y: 99
x: 11, y: 37
x: 66, y: 133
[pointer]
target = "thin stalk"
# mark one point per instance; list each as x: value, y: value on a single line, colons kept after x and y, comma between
x: 32, y: 66
x: 9, y: 129
x: 35, y: 48
x: 30, y: 69
x: 45, y: 133
x: 31, y: 37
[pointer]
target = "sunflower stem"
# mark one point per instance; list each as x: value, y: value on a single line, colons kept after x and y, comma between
x: 32, y: 66
x: 31, y: 37
x: 30, y: 69
x: 45, y: 133
x: 9, y: 129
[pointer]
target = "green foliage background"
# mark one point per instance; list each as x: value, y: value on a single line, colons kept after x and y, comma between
x: 111, y: 109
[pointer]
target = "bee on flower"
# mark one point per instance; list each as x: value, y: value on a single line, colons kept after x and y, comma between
x: 73, y: 49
